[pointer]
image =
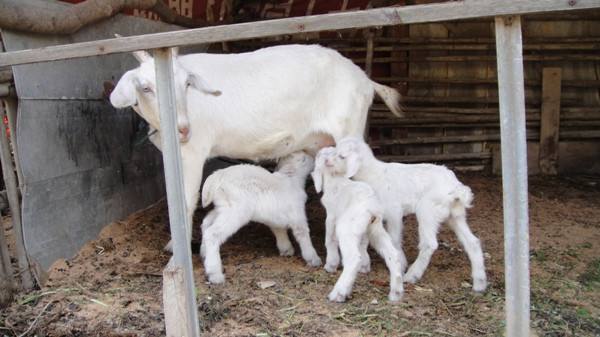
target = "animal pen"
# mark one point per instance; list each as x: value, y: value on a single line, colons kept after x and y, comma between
x: 179, y: 298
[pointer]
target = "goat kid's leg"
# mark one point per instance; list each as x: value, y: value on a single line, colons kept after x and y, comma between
x: 383, y: 244
x: 472, y: 246
x: 350, y: 248
x: 428, y: 228
x: 332, y: 260
x: 394, y: 227
x: 365, y: 259
x: 302, y: 235
x: 284, y: 245
x: 208, y: 220
x: 226, y: 223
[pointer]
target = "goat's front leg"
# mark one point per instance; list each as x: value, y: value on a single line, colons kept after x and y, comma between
x: 331, y: 244
x: 192, y: 168
x: 301, y: 232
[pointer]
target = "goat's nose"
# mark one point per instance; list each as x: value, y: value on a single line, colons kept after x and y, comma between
x: 184, y: 130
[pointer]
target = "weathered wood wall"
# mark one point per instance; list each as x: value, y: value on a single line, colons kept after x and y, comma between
x: 447, y: 73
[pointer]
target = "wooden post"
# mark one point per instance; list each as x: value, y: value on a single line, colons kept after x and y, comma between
x: 15, y: 209
x: 187, y: 322
x: 369, y: 71
x: 174, y: 301
x: 511, y: 94
x: 11, y: 113
x: 550, y: 120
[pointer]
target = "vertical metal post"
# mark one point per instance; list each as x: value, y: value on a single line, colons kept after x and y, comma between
x: 182, y: 254
x: 511, y: 92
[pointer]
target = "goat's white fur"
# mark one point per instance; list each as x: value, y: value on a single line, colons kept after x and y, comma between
x: 354, y: 220
x: 431, y: 192
x: 245, y: 193
x: 258, y: 105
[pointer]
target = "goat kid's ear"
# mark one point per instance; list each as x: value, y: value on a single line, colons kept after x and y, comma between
x: 199, y: 84
x: 142, y: 56
x: 317, y: 177
x: 124, y: 94
x: 352, y: 166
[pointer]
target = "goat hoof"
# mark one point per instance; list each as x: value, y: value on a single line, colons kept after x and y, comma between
x: 395, y: 296
x: 479, y: 285
x: 314, y: 261
x: 365, y: 269
x: 330, y: 268
x: 336, y: 296
x: 216, y: 278
x: 287, y: 251
x: 410, y: 277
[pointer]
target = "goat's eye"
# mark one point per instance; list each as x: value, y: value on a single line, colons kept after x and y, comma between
x: 146, y: 89
x: 342, y: 157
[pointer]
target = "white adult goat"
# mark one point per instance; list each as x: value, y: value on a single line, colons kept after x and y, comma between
x: 259, y: 105
x: 431, y: 192
x: 244, y: 193
x: 354, y: 220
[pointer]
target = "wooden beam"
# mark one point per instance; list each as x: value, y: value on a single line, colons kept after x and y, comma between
x: 511, y: 92
x: 550, y: 120
x: 10, y: 180
x: 177, y: 322
x: 455, y: 10
x: 435, y: 157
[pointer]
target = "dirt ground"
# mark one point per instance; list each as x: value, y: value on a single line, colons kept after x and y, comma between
x: 113, y: 286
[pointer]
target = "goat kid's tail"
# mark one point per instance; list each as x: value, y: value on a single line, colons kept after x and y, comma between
x: 211, y: 184
x: 391, y: 97
x: 463, y: 198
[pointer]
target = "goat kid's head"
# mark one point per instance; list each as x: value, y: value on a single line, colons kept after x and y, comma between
x: 351, y: 152
x: 296, y: 164
x: 323, y: 166
x: 137, y: 89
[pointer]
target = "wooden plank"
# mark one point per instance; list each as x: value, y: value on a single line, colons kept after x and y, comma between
x: 484, y: 58
x: 550, y: 120
x: 10, y: 180
x: 344, y: 20
x: 11, y: 113
x: 174, y: 302
x: 478, y: 81
x: 435, y: 157
x: 511, y: 92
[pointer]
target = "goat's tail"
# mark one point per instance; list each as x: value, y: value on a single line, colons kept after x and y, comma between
x: 391, y: 97
x: 210, y: 186
x: 462, y: 199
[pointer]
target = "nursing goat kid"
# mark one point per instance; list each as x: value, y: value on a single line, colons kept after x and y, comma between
x: 431, y: 192
x: 259, y: 105
x: 354, y: 220
x: 245, y: 193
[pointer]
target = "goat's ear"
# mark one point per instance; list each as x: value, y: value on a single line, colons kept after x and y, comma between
x: 123, y: 95
x: 199, y: 84
x: 142, y: 56
x: 317, y: 177
x: 352, y: 165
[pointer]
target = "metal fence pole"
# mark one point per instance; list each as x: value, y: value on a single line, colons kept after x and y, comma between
x: 511, y: 92
x: 182, y: 254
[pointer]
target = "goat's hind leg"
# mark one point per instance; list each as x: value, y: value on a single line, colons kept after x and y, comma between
x: 429, y: 223
x: 472, y: 246
x: 284, y: 245
x: 382, y: 242
x: 350, y: 248
x: 225, y: 224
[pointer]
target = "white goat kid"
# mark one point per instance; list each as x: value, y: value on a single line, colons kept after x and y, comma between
x: 354, y: 220
x: 431, y: 192
x: 245, y: 193
x: 260, y: 105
